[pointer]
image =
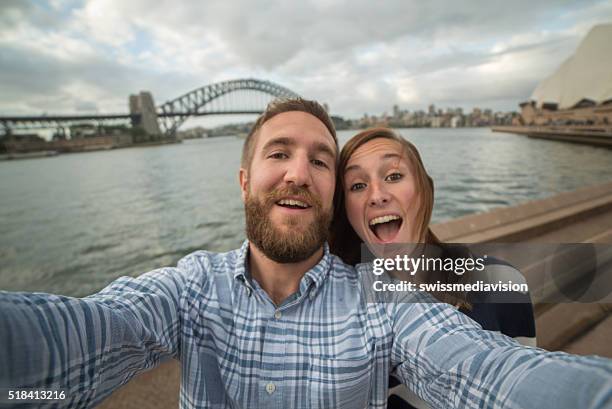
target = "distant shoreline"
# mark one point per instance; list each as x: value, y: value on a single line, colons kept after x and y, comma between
x: 36, y: 150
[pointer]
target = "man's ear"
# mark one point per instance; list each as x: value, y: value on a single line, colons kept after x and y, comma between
x: 243, y: 179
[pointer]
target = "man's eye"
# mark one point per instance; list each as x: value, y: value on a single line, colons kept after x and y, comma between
x: 320, y: 163
x: 357, y: 186
x: 394, y: 176
x: 278, y: 155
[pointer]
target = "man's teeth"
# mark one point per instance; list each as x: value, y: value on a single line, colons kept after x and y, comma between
x: 383, y: 219
x: 291, y: 202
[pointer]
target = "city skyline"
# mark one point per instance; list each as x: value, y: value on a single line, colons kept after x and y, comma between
x: 74, y: 56
x: 429, y: 117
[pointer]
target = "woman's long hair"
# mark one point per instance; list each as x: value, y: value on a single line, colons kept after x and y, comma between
x: 344, y: 241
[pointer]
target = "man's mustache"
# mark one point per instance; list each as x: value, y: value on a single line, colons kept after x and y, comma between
x: 295, y: 192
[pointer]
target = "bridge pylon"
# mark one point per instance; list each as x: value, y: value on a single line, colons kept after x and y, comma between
x: 144, y: 114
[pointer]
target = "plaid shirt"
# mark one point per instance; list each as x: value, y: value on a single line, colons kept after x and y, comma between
x: 324, y: 347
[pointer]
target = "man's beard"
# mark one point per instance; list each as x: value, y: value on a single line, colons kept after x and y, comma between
x: 291, y: 244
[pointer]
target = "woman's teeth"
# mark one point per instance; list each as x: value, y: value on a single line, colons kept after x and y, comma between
x: 386, y: 228
x: 383, y: 219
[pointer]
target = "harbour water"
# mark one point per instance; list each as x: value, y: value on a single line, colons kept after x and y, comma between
x: 71, y: 224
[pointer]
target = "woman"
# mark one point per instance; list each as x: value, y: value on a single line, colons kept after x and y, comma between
x: 385, y: 196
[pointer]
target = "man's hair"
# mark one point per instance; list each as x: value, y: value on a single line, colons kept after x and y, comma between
x: 278, y: 106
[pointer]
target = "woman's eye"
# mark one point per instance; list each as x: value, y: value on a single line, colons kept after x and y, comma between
x: 357, y: 186
x: 318, y: 162
x: 393, y: 177
x: 278, y: 155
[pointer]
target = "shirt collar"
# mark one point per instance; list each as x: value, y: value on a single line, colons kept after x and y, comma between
x: 240, y: 272
x: 319, y: 272
x: 316, y: 274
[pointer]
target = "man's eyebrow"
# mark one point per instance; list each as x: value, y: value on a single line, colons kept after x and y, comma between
x: 286, y: 141
x: 281, y: 140
x: 385, y: 157
x: 325, y: 148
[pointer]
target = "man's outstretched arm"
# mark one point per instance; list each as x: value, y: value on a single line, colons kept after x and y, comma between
x: 451, y: 362
x: 89, y: 346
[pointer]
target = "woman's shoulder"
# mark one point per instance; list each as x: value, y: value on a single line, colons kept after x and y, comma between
x: 511, y: 319
x: 509, y: 311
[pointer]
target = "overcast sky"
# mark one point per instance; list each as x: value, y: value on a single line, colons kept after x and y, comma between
x: 64, y: 56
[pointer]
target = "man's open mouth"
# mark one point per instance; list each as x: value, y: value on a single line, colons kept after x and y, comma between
x: 293, y: 204
x: 385, y: 228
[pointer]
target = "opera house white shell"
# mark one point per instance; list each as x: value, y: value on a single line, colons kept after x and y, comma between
x: 584, y: 79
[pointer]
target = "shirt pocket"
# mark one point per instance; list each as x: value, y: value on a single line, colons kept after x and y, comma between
x: 340, y: 383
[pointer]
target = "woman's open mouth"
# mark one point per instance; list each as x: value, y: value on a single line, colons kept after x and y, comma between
x: 385, y: 228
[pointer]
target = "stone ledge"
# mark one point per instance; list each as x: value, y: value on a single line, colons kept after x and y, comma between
x: 596, y: 341
x: 563, y: 323
x: 529, y: 219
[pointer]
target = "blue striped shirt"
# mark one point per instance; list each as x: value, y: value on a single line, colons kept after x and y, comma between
x: 324, y: 347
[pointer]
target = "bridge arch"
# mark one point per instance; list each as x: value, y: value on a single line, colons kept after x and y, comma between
x: 174, y: 113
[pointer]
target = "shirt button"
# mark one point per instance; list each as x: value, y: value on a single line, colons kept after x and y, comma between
x: 270, y: 388
x: 277, y: 315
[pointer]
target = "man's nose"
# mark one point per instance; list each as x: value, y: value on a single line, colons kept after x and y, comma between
x: 379, y: 196
x: 298, y: 172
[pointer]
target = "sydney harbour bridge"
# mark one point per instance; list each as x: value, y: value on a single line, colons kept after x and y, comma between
x: 241, y: 96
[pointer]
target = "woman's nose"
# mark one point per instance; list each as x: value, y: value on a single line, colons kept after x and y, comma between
x: 379, y: 196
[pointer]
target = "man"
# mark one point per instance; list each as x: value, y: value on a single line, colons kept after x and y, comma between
x: 279, y: 323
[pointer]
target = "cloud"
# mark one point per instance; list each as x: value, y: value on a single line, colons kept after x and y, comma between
x: 357, y: 56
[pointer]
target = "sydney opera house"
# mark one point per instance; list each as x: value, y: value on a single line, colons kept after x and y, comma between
x: 580, y: 91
